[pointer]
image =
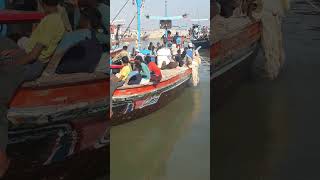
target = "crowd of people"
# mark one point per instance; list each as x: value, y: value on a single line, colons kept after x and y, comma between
x: 24, y: 58
x: 147, y: 65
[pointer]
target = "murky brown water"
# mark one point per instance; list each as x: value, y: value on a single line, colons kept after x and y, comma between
x: 170, y: 144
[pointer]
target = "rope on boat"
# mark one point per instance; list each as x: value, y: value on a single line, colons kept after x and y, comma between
x: 119, y: 11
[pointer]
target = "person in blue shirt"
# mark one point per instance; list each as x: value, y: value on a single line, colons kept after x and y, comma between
x: 189, y: 54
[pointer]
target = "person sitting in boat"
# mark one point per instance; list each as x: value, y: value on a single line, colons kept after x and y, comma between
x: 174, y: 50
x: 120, y: 78
x: 90, y: 21
x: 134, y: 76
x: 163, y: 57
x: 155, y: 71
x: 172, y: 64
x: 123, y: 53
x: 139, y: 53
x: 101, y: 6
x: 26, y: 65
x: 144, y: 70
x: 178, y: 58
x: 184, y: 52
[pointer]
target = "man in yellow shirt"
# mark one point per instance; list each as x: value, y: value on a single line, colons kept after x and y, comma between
x: 26, y: 65
x: 119, y: 79
x: 125, y: 70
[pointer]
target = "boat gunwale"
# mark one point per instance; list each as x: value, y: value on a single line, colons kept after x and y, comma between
x: 180, y: 76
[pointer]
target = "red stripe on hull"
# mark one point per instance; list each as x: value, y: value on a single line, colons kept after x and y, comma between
x: 63, y: 95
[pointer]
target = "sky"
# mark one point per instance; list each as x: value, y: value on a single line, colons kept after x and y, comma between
x: 196, y: 9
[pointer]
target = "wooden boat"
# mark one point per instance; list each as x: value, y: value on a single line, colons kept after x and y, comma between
x: 203, y: 42
x: 234, y: 47
x: 59, y: 121
x: 135, y: 101
x: 56, y: 117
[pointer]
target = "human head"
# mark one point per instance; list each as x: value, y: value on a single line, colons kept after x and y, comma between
x: 147, y: 59
x: 169, y: 33
x: 137, y: 65
x: 139, y: 58
x: 125, y: 60
x: 125, y: 47
x: 179, y: 51
x: 49, y: 5
x: 177, y: 33
x: 90, y: 18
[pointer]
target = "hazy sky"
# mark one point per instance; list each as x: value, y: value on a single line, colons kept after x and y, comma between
x: 195, y: 8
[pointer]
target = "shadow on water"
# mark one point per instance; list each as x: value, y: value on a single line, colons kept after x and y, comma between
x: 269, y: 129
x: 170, y: 144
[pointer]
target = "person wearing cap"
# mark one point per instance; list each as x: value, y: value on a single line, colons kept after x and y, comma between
x: 139, y: 53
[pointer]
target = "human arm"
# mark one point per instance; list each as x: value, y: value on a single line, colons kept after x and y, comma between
x: 31, y: 56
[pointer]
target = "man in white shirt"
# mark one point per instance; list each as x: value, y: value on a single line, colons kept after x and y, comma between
x: 164, y: 56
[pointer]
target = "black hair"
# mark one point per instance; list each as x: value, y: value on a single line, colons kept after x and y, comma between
x: 147, y: 59
x: 94, y: 16
x: 139, y: 58
x: 125, y: 59
x: 138, y: 66
x: 125, y: 47
x: 51, y: 2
